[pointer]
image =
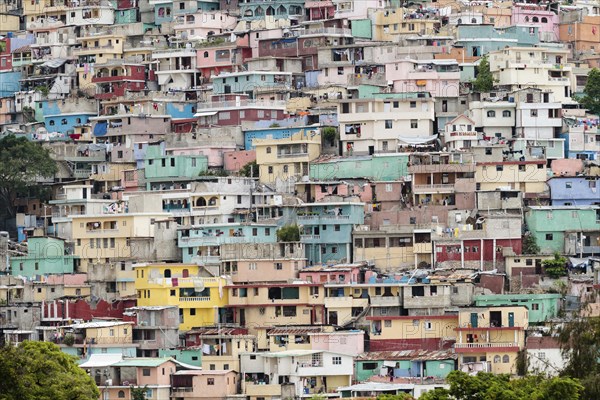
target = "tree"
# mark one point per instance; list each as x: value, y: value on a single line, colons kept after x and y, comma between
x: 591, y: 92
x: 579, y: 340
x: 484, y: 81
x: 288, y: 233
x: 41, y: 371
x: 330, y: 134
x: 485, y: 386
x: 250, y: 170
x: 139, y: 393
x: 402, y: 396
x: 21, y: 162
x: 555, y: 268
x: 530, y: 245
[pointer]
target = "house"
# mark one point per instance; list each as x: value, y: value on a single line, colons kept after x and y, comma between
x: 176, y: 68
x: 196, y: 384
x: 201, y: 299
x: 155, y: 328
x: 571, y: 230
x: 307, y: 372
x: 460, y: 133
x: 574, y: 190
x: 117, y: 76
x: 45, y: 256
x: 405, y: 364
x: 544, y: 355
x: 490, y: 339
x: 232, y: 109
x: 89, y: 338
x: 541, y: 307
x: 219, y: 347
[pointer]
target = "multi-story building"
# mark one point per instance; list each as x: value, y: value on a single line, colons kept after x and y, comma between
x: 201, y: 299
x: 491, y: 336
x: 384, y: 122
x: 574, y: 190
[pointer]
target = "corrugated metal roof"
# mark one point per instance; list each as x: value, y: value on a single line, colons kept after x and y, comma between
x: 218, y: 331
x: 293, y: 330
x: 142, y: 362
x: 405, y: 355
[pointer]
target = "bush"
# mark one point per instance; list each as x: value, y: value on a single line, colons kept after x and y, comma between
x: 289, y: 233
x: 557, y: 267
x: 69, y: 340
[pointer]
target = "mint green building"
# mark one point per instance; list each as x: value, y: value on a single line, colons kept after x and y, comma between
x: 541, y: 307
x: 378, y: 167
x: 161, y: 166
x: 186, y: 356
x: 405, y: 363
x: 46, y: 256
x: 570, y: 230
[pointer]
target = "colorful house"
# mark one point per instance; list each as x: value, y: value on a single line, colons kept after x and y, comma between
x: 45, y: 256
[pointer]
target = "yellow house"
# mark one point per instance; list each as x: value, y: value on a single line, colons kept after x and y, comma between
x: 103, y: 332
x: 281, y: 162
x: 201, y: 300
x: 96, y: 50
x: 108, y: 237
x: 388, y: 249
x: 53, y: 11
x: 276, y: 304
x: 526, y: 176
x: 387, y: 24
x: 489, y: 339
x: 412, y: 331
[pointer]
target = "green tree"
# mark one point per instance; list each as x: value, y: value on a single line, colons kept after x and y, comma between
x: 139, y: 393
x: 401, y: 396
x: 288, y: 233
x: 530, y: 245
x: 250, y: 170
x: 484, y: 81
x: 41, y: 371
x: 330, y: 134
x: 556, y: 267
x: 21, y: 162
x: 591, y: 92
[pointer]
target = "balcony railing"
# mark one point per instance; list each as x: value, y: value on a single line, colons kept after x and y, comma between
x: 483, y: 345
x: 291, y: 155
x: 433, y: 188
x: 187, y: 299
x: 242, y: 103
x: 310, y: 237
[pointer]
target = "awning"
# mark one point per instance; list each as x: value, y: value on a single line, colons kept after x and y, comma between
x: 205, y: 114
x: 101, y: 128
x: 102, y: 360
x: 417, y: 139
x: 54, y: 63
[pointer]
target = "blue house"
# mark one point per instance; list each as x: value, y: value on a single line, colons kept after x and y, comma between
x: 479, y: 40
x: 251, y: 82
x: 326, y: 229
x: 9, y: 83
x: 574, y: 190
x: 271, y: 133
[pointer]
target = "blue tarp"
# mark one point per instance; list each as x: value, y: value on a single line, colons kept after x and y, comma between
x: 100, y: 129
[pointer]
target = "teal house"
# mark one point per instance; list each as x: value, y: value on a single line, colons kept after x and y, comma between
x: 541, y: 307
x: 379, y: 167
x: 162, y: 166
x: 326, y: 229
x: 479, y: 40
x: 186, y: 356
x: 405, y: 364
x: 570, y: 230
x: 46, y: 256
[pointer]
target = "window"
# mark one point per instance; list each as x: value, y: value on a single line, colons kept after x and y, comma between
x: 568, y: 185
x: 535, y: 306
x: 210, y: 381
x: 414, y: 124
x: 491, y: 114
x: 413, y: 104
x: 289, y: 311
x: 506, y: 113
x: 146, y: 371
x: 121, y: 394
x: 387, y: 323
x: 278, y: 266
x: 549, y: 236
x: 270, y: 169
x: 388, y: 124
x: 337, y: 360
x: 505, y: 359
x: 499, y: 168
x: 533, y: 113
x: 428, y: 325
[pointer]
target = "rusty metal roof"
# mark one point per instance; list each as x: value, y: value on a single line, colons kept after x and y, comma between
x: 406, y: 355
x: 290, y: 330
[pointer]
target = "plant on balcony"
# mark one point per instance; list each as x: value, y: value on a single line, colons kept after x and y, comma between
x: 69, y: 340
x: 289, y: 233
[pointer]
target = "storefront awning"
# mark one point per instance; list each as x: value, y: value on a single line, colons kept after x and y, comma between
x: 417, y: 139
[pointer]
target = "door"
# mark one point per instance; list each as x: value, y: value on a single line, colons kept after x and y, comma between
x: 242, y: 317
x: 371, y: 150
x: 511, y: 319
x: 474, y: 320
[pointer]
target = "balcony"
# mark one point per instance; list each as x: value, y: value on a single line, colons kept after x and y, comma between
x: 436, y: 188
x: 386, y: 301
x: 310, y: 237
x: 441, y: 168
x: 422, y: 248
x: 262, y: 390
x: 327, y: 31
x: 102, y: 79
x: 291, y: 155
x: 366, y: 79
x: 314, y: 219
x: 243, y: 103
x: 484, y: 346
x: 345, y: 302
x: 194, y: 299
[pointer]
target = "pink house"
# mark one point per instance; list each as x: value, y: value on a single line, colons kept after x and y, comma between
x: 345, y: 342
x: 440, y: 77
x: 537, y: 15
x: 191, y: 385
x: 233, y: 161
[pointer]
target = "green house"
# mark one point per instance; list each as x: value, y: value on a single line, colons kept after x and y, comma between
x: 163, y: 166
x: 541, y: 306
x: 186, y: 356
x: 381, y: 167
x: 45, y: 256
x: 405, y: 363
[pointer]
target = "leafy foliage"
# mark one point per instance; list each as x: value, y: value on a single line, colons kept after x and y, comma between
x: 403, y: 396
x: 484, y: 81
x: 485, y: 386
x: 250, y: 170
x: 591, y: 92
x: 530, y: 245
x: 330, y: 134
x: 21, y: 162
x: 41, y: 371
x: 139, y: 393
x: 289, y: 233
x: 556, y: 267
